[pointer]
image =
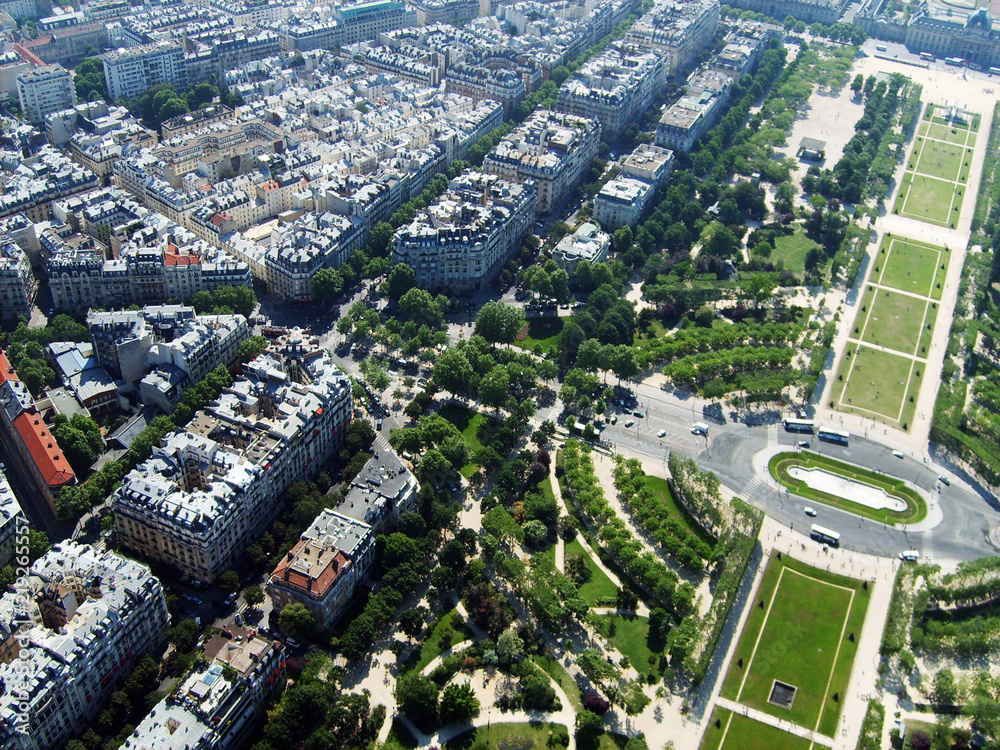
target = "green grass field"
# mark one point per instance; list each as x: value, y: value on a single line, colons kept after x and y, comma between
x: 803, y: 630
x: 491, y: 735
x: 940, y: 159
x: 599, y: 586
x: 729, y: 731
x: 956, y: 136
x: 558, y: 672
x: 895, y: 321
x: 929, y: 199
x: 875, y: 382
x: 432, y: 646
x: 916, y: 508
x: 542, y: 332
x: 469, y: 423
x: 911, y: 266
x: 792, y: 249
x: 630, y: 635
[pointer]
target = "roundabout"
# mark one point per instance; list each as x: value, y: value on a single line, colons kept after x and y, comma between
x: 819, y: 478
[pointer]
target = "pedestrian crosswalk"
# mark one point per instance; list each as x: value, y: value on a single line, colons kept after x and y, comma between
x: 751, y: 487
x: 772, y: 435
x: 927, y: 546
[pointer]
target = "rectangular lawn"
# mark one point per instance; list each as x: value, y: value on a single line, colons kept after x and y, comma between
x: 875, y: 381
x: 792, y: 250
x: 940, y: 159
x: 799, y: 632
x: 740, y: 733
x: 542, y: 332
x: 911, y: 267
x: 895, y: 321
x: 930, y: 199
x: 468, y: 423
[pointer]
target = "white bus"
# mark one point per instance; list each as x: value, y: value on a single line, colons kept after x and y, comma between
x: 822, y: 534
x: 958, y: 62
x: 927, y: 56
x: 800, y: 425
x: 835, y: 436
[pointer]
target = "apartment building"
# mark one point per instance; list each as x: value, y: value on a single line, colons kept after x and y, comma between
x: 18, y: 284
x: 200, y: 345
x: 811, y: 11
x: 33, y: 183
x: 11, y: 520
x: 552, y: 149
x: 622, y: 200
x: 614, y: 88
x: 454, y: 12
x: 461, y: 242
x: 129, y: 72
x: 218, y: 705
x: 365, y: 21
x: 33, y: 453
x: 192, y: 122
x: 287, y: 258
x: 678, y: 30
x: 315, y: 31
x: 691, y: 116
x: 587, y: 243
x: 336, y: 552
x: 324, y: 567
x: 11, y: 66
x: 479, y: 82
x: 73, y: 629
x: 211, y: 488
x: 45, y: 90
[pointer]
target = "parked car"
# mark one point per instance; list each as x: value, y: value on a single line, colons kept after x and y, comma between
x: 614, y: 419
x: 629, y: 422
x: 661, y: 433
x: 238, y: 620
x: 803, y: 444
x: 638, y: 414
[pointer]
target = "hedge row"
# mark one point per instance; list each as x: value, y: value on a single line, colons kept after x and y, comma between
x: 673, y: 535
x: 586, y: 498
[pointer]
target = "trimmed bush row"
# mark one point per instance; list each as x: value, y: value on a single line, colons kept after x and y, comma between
x: 674, y: 537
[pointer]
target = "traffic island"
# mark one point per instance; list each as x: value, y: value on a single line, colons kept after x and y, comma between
x: 848, y: 487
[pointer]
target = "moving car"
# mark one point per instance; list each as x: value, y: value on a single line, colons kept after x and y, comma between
x: 898, y: 454
x: 810, y: 512
x: 943, y: 479
x: 803, y: 444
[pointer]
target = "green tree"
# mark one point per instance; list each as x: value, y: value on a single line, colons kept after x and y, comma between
x: 945, y: 691
x: 228, y: 582
x: 458, y: 703
x: 510, y: 647
x: 249, y: 350
x: 858, y: 84
x: 500, y: 524
x: 296, y: 620
x: 88, y: 79
x: 171, y: 108
x: 559, y: 74
x: 327, y: 285
x: 759, y: 287
x: 494, y: 389
x: 401, y: 279
x: 452, y: 371
x: 184, y: 635
x: 499, y: 323
x: 417, y: 698
x: 253, y: 596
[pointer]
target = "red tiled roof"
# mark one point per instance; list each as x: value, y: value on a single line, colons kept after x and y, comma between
x: 219, y: 219
x: 172, y: 259
x: 6, y: 369
x: 44, y: 450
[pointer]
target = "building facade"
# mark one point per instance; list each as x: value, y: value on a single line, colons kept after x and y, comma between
x: 462, y: 241
x: 552, y: 149
x: 72, y: 629
x: 45, y: 90
x: 131, y: 71
x: 210, y: 489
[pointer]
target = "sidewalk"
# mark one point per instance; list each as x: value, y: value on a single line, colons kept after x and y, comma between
x: 774, y: 721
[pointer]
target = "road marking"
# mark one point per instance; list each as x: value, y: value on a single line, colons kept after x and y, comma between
x: 927, y: 545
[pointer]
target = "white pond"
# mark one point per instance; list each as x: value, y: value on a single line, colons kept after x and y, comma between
x: 856, y: 492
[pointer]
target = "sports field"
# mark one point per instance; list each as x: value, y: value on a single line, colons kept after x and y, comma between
x: 880, y: 373
x: 933, y: 186
x: 794, y: 657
